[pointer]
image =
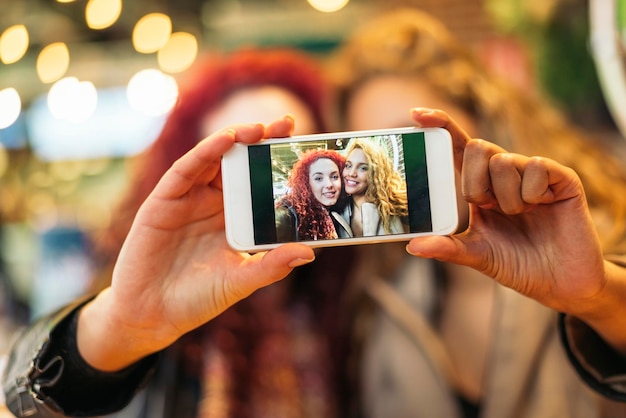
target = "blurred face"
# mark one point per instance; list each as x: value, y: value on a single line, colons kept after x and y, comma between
x: 356, y: 173
x: 325, y: 181
x: 260, y: 104
x: 385, y: 101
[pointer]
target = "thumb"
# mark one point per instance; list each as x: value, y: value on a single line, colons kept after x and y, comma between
x: 265, y: 268
x: 442, y: 248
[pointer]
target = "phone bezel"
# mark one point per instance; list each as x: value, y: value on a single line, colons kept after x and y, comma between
x: 441, y: 182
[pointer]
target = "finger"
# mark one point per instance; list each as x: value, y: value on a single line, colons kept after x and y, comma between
x: 434, y: 118
x: 520, y: 183
x: 268, y: 267
x: 506, y: 180
x: 475, y: 177
x: 442, y: 248
x: 250, y: 133
x: 280, y: 128
x: 546, y: 181
x: 253, y: 133
x: 186, y: 170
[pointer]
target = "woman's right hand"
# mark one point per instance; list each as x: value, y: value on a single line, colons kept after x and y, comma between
x: 176, y: 271
x: 531, y: 230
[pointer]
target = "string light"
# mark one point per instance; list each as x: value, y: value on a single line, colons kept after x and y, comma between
x: 53, y: 62
x: 101, y: 14
x: 151, y: 33
x: 152, y: 93
x: 10, y: 107
x: 4, y: 160
x: 13, y: 44
x: 72, y: 100
x: 179, y: 53
x: 328, y: 6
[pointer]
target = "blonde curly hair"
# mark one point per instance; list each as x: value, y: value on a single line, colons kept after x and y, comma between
x: 386, y: 188
x: 407, y: 42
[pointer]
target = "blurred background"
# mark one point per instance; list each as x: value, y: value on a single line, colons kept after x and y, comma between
x: 85, y: 86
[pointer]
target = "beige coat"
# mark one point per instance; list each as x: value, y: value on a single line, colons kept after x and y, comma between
x: 528, y: 374
x: 372, y: 223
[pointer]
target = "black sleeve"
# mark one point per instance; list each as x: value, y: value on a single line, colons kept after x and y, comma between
x: 46, y: 376
x: 597, y: 363
x: 286, y: 224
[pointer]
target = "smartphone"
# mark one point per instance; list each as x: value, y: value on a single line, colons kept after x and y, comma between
x: 274, y: 194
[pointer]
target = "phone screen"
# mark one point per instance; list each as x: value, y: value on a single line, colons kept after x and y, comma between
x: 271, y: 166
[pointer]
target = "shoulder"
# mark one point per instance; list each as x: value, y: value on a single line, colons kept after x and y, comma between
x: 285, y: 213
x: 286, y: 221
x: 397, y: 225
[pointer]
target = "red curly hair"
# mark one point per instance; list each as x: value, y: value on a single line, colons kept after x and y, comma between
x: 202, y: 89
x: 314, y: 221
x: 251, y: 323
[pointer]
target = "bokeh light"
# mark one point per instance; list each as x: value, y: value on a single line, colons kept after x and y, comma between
x: 4, y: 160
x: 328, y: 6
x: 179, y: 53
x: 39, y: 179
x: 13, y: 44
x: 67, y: 171
x: 53, y: 62
x: 72, y: 100
x: 152, y: 92
x: 10, y: 107
x: 151, y: 33
x: 42, y: 210
x: 100, y: 14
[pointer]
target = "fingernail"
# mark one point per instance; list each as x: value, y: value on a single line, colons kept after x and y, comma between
x: 297, y: 262
x: 415, y: 253
x: 416, y: 112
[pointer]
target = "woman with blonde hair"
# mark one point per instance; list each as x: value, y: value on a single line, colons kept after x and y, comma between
x: 481, y: 320
x: 405, y: 49
x: 378, y: 196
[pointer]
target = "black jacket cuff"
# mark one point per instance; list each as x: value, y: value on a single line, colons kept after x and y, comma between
x: 597, y: 363
x: 47, y: 377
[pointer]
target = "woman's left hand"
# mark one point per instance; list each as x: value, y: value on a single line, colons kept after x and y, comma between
x: 529, y: 229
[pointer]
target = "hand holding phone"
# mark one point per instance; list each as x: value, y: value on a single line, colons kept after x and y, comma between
x: 175, y: 271
x: 340, y: 188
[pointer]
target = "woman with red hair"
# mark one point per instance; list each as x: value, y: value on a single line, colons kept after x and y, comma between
x: 248, y: 86
x: 248, y: 361
x: 315, y: 187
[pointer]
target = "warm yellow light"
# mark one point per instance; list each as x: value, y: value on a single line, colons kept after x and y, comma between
x: 152, y: 32
x: 100, y: 14
x: 179, y: 53
x: 4, y: 160
x: 328, y: 5
x: 42, y: 210
x: 66, y: 1
x: 72, y: 100
x: 13, y: 44
x: 53, y: 62
x: 152, y: 93
x: 10, y: 107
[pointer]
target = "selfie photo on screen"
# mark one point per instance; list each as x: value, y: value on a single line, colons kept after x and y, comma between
x: 347, y: 187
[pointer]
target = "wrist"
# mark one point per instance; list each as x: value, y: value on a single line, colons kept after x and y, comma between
x: 108, y: 344
x: 605, y: 312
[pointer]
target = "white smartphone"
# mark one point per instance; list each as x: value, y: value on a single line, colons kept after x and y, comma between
x: 265, y: 205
